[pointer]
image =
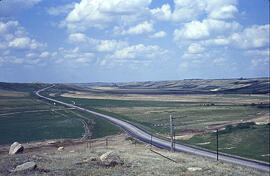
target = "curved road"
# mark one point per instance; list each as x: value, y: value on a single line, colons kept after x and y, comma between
x: 146, y: 137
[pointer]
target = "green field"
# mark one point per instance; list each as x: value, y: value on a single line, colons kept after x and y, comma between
x: 25, y: 118
x: 203, y: 117
x: 151, y: 113
x: 22, y: 120
x: 251, y: 142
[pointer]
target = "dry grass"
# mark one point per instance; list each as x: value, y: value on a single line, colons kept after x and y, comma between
x: 237, y: 99
x: 138, y: 160
x: 8, y: 93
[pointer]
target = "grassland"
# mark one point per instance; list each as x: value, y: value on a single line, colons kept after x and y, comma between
x: 25, y: 118
x: 202, y: 114
x: 251, y: 142
x: 212, y: 104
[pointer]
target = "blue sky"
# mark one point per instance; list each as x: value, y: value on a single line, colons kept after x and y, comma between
x: 132, y: 40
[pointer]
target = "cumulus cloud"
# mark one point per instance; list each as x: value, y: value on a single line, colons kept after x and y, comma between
x: 77, y: 37
x: 195, y: 48
x: 44, y: 54
x: 110, y: 45
x: 13, y: 36
x: 224, y: 12
x: 159, y: 34
x: 186, y: 10
x: 260, y: 62
x: 219, y: 41
x: 163, y: 13
x: 202, y: 30
x: 99, y: 13
x: 144, y: 27
x: 252, y: 37
x: 219, y: 61
x: 139, y: 51
x: 60, y: 10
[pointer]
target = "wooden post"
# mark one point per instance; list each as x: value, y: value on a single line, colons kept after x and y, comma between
x: 217, y: 144
x: 106, y: 142
x: 171, y: 125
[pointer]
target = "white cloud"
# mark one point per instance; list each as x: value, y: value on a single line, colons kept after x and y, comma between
x: 60, y: 10
x: 77, y: 37
x: 110, y: 45
x: 144, y: 27
x: 219, y: 61
x: 12, y: 35
x: 186, y: 10
x: 262, y: 52
x: 44, y: 54
x: 163, y: 13
x: 220, y: 41
x: 31, y: 55
x: 221, y: 9
x: 83, y: 60
x: 159, y: 34
x: 195, y: 48
x: 252, y: 37
x: 102, y: 13
x: 96, y: 44
x: 202, y: 30
x: 224, y: 12
x: 260, y: 62
x: 139, y: 51
x: 192, y: 30
x: 24, y: 43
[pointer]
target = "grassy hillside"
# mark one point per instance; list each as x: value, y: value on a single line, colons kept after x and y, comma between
x: 191, y: 86
x: 250, y: 141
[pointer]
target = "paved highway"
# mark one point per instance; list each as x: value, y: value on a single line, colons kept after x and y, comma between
x: 144, y: 136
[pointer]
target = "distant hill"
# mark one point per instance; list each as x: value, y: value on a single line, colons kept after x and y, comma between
x: 189, y: 86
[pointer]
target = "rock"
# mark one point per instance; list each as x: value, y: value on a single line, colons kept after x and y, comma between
x: 25, y: 166
x: 194, y: 169
x: 90, y: 159
x: 15, y: 148
x: 105, y: 156
x: 93, y: 158
x: 60, y: 149
x: 110, y: 159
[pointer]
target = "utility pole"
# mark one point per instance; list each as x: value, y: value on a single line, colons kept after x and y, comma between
x: 151, y: 142
x: 217, y: 144
x: 172, y: 133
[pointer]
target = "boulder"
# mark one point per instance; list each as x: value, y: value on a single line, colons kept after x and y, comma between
x: 110, y: 159
x: 192, y: 169
x: 90, y: 159
x: 105, y: 156
x: 60, y: 148
x: 28, y: 166
x: 15, y: 148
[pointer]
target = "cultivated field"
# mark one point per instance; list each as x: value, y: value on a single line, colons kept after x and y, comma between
x: 25, y: 118
x: 200, y: 107
x: 197, y: 117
